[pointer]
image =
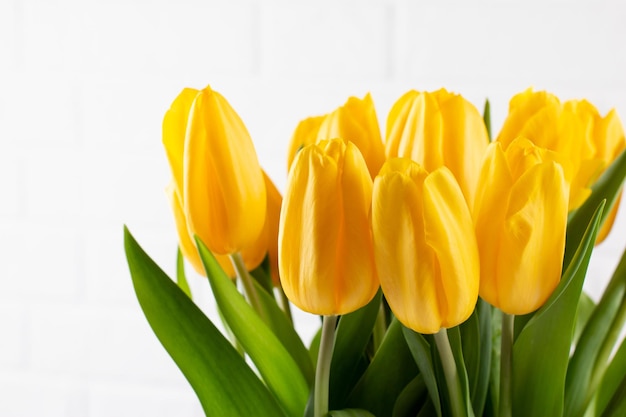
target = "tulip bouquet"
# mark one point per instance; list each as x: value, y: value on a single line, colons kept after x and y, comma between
x: 447, y: 269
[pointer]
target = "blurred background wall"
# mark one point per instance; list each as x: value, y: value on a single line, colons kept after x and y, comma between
x: 83, y: 89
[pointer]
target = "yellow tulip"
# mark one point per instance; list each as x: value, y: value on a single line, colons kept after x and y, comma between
x: 224, y: 194
x: 178, y: 140
x: 520, y: 216
x: 305, y: 134
x: 326, y: 257
x: 604, y: 141
x: 575, y: 130
x: 355, y: 121
x: 424, y: 246
x: 439, y: 129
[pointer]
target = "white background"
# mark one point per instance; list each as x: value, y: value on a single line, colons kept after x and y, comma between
x: 83, y: 89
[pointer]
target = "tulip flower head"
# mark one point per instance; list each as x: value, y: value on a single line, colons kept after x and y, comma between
x: 424, y: 245
x: 218, y: 191
x: 439, y: 129
x: 355, y: 121
x: 326, y: 258
x: 520, y: 219
x: 575, y: 130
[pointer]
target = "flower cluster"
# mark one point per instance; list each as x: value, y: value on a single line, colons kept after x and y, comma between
x: 442, y: 221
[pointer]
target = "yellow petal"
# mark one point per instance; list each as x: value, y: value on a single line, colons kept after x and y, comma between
x: 224, y: 195
x: 174, y: 131
x: 449, y: 231
x: 415, y: 127
x: 305, y: 134
x: 464, y: 142
x: 187, y: 245
x: 609, y: 137
x: 405, y: 263
x: 533, y: 239
x: 356, y: 122
x: 521, y: 108
x: 274, y: 201
x: 492, y: 196
x: 439, y: 129
x: 608, y: 222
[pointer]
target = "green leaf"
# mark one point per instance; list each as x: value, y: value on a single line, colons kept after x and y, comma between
x: 612, y: 384
x: 223, y: 382
x: 282, y: 327
x: 181, y: 278
x: 422, y: 354
x: 454, y: 335
x: 351, y: 338
x: 493, y: 392
x: 470, y: 342
x: 541, y: 351
x: 481, y: 380
x: 586, y: 307
x: 411, y: 399
x: 617, y: 405
x: 591, y: 341
x: 391, y: 369
x: 428, y: 409
x: 276, y: 366
x: 350, y: 412
x: 262, y: 275
x: 606, y: 188
x: 487, y: 118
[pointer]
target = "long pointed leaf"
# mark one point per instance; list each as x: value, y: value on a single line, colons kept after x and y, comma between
x: 223, y: 382
x: 284, y: 331
x: 613, y: 379
x: 351, y: 338
x: 581, y: 365
x: 390, y: 370
x: 479, y: 390
x: 350, y: 412
x: 411, y: 399
x: 181, y: 277
x: 541, y: 351
x: 617, y: 405
x: 275, y: 364
x: 421, y: 351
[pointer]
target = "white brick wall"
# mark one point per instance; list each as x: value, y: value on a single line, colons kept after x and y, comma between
x: 83, y: 89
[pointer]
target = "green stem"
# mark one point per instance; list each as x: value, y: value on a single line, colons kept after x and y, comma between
x: 248, y: 285
x: 380, y: 326
x: 284, y: 304
x: 451, y: 373
x: 322, y: 373
x: 506, y: 365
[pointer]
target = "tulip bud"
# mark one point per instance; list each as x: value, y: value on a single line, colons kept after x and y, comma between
x: 224, y: 192
x: 520, y: 219
x: 182, y: 132
x: 424, y: 245
x: 326, y: 258
x: 439, y: 129
x: 355, y: 121
x: 575, y: 130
